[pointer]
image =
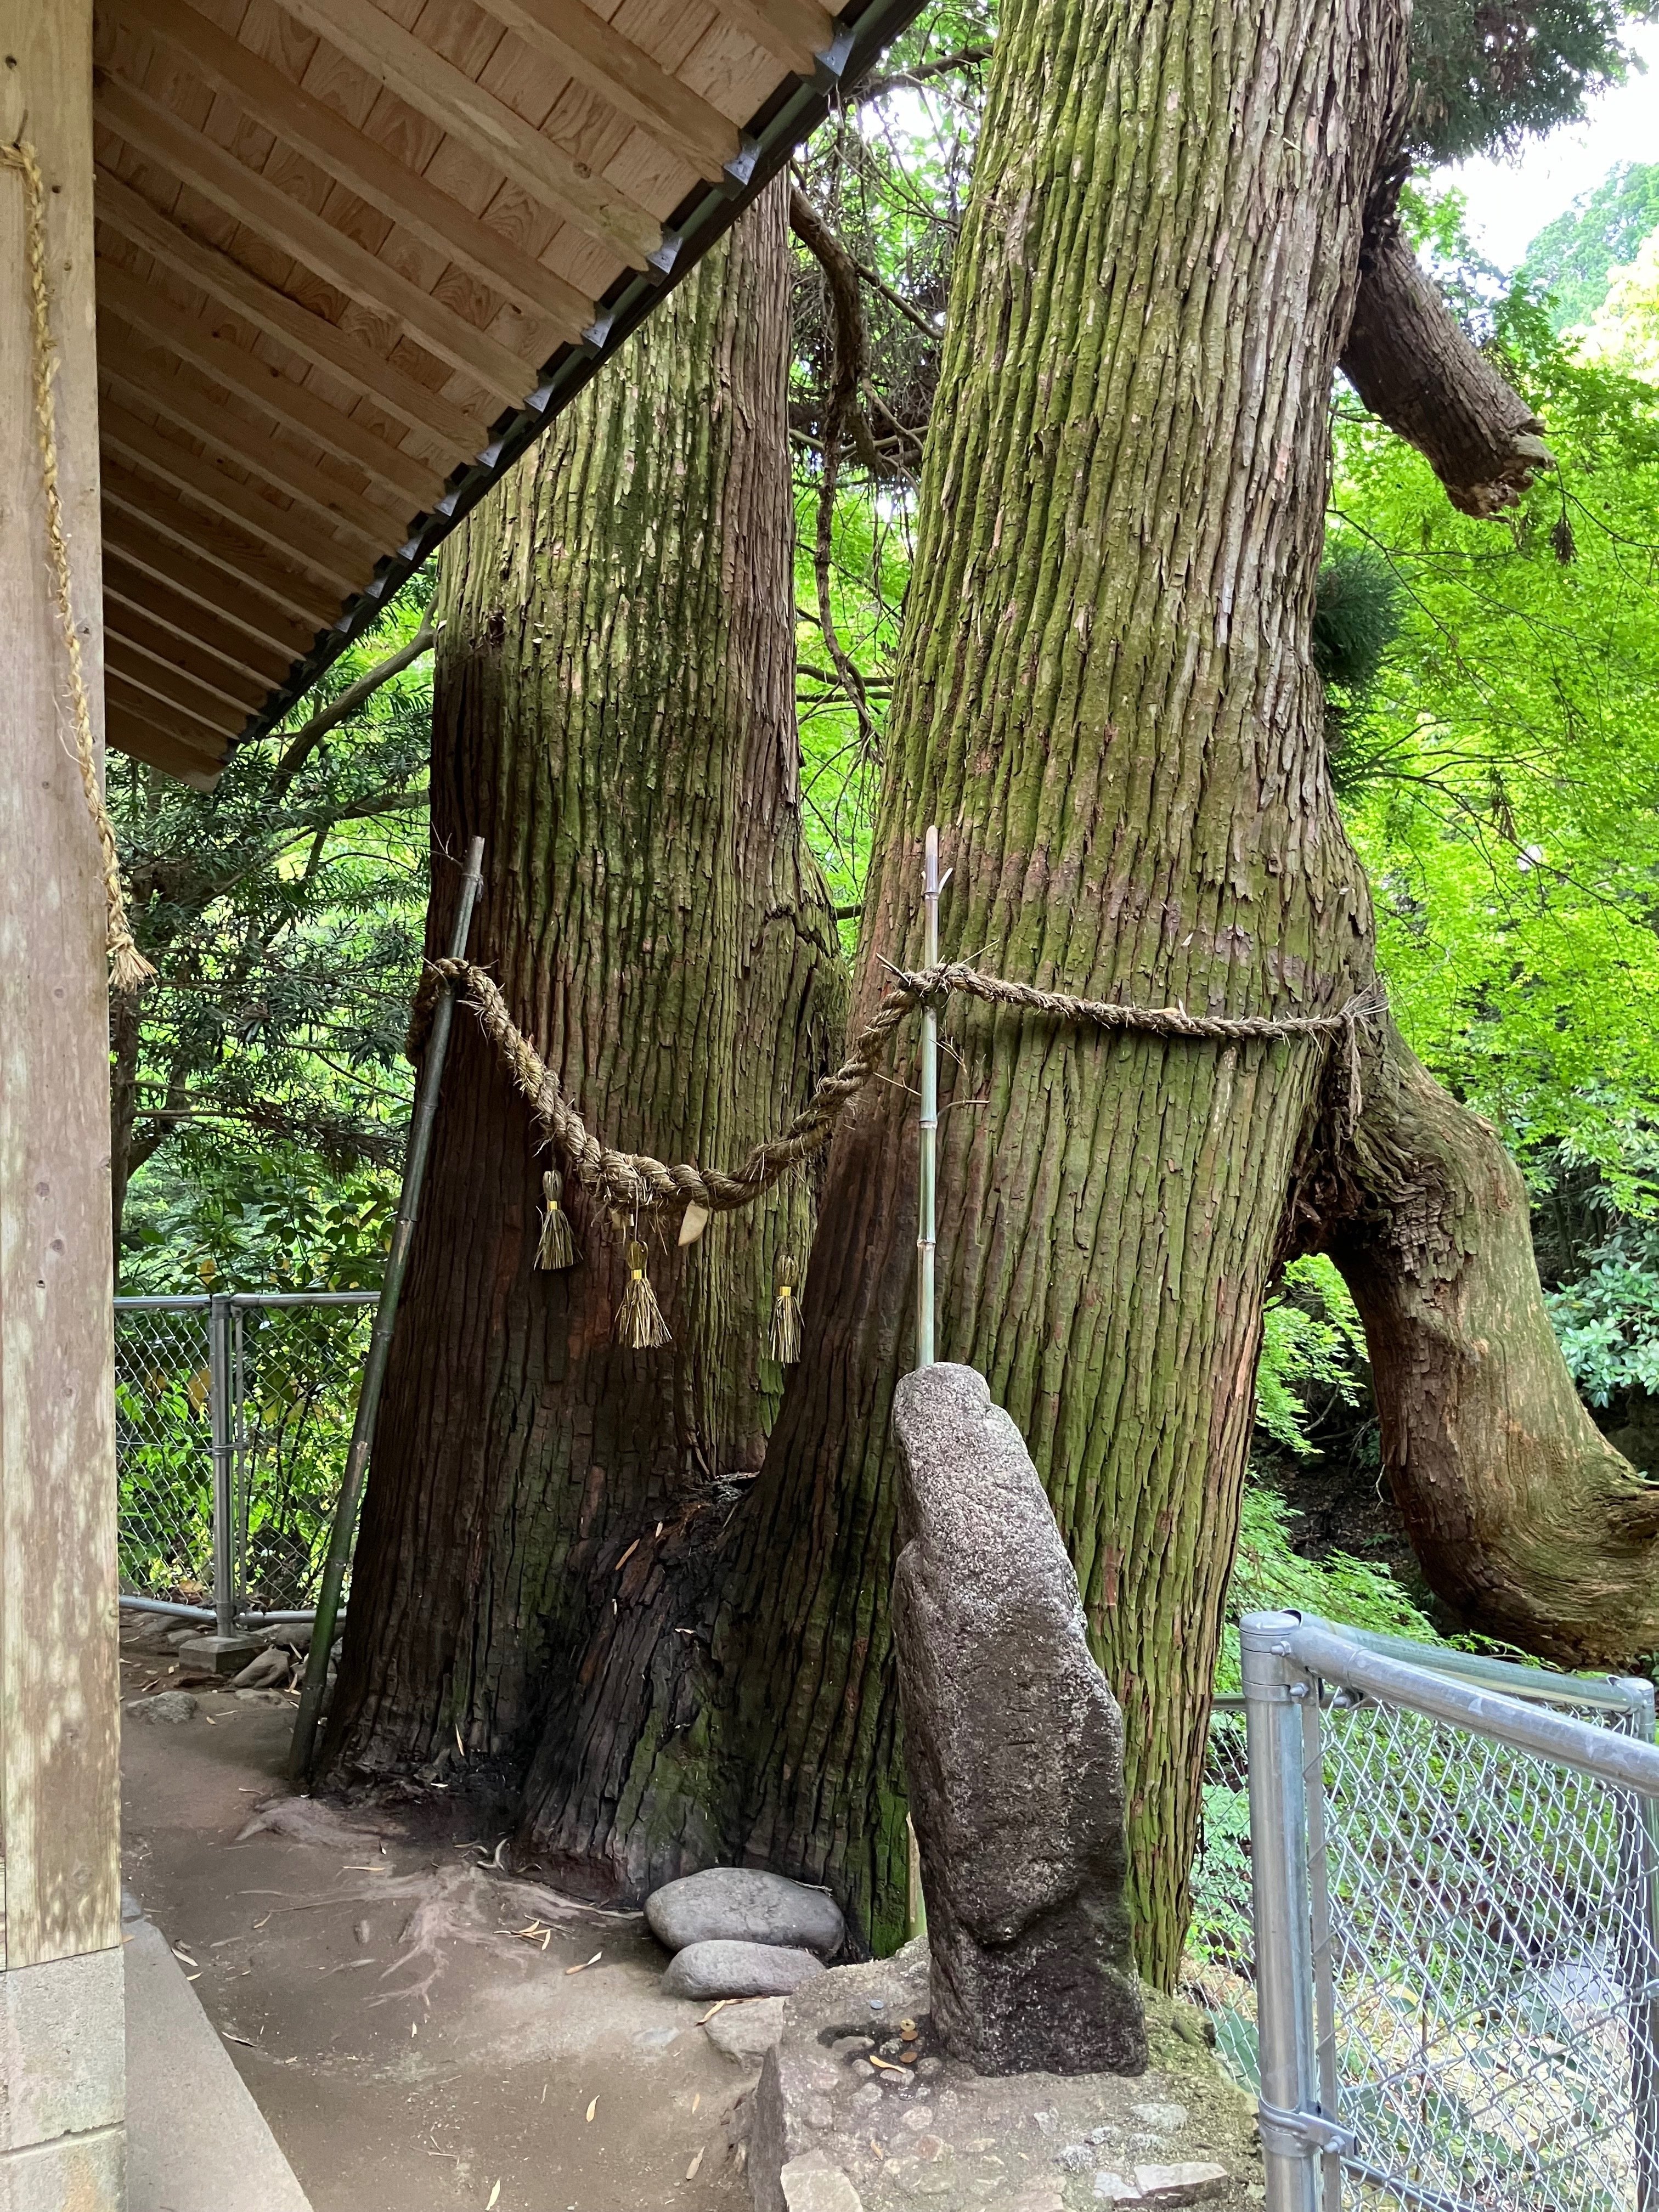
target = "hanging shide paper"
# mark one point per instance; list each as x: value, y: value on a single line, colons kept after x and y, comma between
x: 639, y: 1324
x: 557, y: 1248
x: 784, y: 1339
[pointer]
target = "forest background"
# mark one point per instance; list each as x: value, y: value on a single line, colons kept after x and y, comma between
x: 1493, y: 705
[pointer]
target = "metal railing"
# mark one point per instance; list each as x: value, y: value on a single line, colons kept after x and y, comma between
x: 1436, y: 1955
x: 233, y: 1414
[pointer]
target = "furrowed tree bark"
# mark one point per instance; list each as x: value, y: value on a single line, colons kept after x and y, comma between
x: 1105, y: 698
x: 1412, y: 363
x: 614, y: 712
x: 1523, y: 1518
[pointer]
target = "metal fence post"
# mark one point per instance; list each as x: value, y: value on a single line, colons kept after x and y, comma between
x: 1639, y: 1852
x: 1275, y: 1688
x: 224, y: 1506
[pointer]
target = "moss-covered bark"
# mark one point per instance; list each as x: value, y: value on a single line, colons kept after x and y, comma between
x: 1105, y: 699
x: 614, y: 712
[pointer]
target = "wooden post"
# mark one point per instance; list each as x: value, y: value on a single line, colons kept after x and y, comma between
x: 62, y: 2091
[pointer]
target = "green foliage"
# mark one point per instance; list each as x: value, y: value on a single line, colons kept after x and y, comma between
x: 1572, y: 259
x: 1484, y: 78
x: 209, y: 1216
x: 1312, y: 1339
x: 283, y: 913
x: 1500, y: 780
x: 1355, y: 616
x: 1607, y: 1321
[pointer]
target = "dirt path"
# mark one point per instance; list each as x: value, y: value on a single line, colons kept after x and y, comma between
x: 418, y: 2087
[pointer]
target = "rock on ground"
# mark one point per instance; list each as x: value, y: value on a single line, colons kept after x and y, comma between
x: 739, y: 1970
x: 858, y: 2086
x: 741, y: 1905
x: 811, y: 2186
x: 1013, y: 1751
x: 745, y: 2031
x: 166, y: 1705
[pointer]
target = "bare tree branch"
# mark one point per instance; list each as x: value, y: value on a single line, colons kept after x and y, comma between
x: 306, y: 741
x: 840, y: 410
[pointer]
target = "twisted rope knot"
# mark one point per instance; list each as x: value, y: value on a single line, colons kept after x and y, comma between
x: 636, y: 1182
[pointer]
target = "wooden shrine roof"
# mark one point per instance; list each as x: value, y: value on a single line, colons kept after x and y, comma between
x: 352, y: 255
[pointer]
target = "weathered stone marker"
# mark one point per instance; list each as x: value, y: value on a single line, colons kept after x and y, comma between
x: 1013, y: 1752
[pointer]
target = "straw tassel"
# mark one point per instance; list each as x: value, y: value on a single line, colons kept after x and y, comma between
x: 639, y: 1324
x: 557, y: 1248
x: 783, y: 1342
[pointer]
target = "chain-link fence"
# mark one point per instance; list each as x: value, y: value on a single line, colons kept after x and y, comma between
x: 1432, y: 1947
x: 233, y: 1416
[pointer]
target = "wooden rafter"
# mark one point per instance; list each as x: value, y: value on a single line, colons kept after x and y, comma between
x: 200, y: 580
x: 151, y: 599
x: 190, y: 405
x: 794, y: 31
x: 286, y: 532
x: 164, y: 679
x: 246, y: 563
x: 313, y: 338
x: 240, y: 692
x: 436, y: 88
x: 147, y: 310
x: 362, y: 164
x: 152, y: 129
x: 598, y: 55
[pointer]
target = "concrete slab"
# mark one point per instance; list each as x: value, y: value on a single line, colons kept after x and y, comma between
x: 60, y: 2050
x: 196, y: 2140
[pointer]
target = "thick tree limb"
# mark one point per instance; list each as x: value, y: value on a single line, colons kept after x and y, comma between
x: 840, y: 412
x: 1410, y: 360
x: 1522, y: 1516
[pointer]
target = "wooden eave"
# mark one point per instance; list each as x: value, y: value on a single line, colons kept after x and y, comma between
x: 352, y: 259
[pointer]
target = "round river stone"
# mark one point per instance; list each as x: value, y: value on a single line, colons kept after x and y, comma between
x: 739, y: 1970
x: 737, y: 1904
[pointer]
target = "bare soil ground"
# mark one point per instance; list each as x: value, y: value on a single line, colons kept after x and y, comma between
x: 408, y: 2048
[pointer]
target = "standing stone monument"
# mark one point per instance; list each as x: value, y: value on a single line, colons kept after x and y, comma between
x: 1013, y: 1752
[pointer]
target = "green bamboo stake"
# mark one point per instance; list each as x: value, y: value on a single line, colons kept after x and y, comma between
x: 303, y: 1748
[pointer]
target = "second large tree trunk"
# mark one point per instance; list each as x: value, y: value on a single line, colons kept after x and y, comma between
x: 614, y: 712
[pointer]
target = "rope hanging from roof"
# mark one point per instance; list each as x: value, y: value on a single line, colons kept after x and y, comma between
x: 632, y: 1182
x: 128, y: 970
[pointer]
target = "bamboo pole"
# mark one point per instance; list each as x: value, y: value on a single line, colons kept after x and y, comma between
x: 368, y: 1397
x: 928, y: 1148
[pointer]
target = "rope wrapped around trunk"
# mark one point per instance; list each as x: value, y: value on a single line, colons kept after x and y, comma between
x: 633, y: 1180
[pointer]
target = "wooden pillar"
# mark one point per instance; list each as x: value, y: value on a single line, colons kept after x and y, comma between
x: 62, y: 2090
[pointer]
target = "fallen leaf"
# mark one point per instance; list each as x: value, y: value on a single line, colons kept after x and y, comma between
x: 547, y: 1937
x: 494, y: 2195
x: 583, y: 1964
x: 886, y: 2064
x: 659, y: 1528
x: 592, y: 2108
x: 193, y: 1977
x: 695, y: 2101
x: 627, y: 1555
x: 245, y: 2040
x: 691, y: 2170
x: 414, y: 2027
x: 545, y: 2086
x: 260, y: 1923
x: 461, y: 1747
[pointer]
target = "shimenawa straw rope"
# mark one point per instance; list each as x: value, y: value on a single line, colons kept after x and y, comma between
x: 128, y: 970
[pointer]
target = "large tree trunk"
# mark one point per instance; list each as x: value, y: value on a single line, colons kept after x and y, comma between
x: 1106, y: 700
x: 614, y: 712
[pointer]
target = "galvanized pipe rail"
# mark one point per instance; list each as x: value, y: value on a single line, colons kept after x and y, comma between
x: 1287, y: 1658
